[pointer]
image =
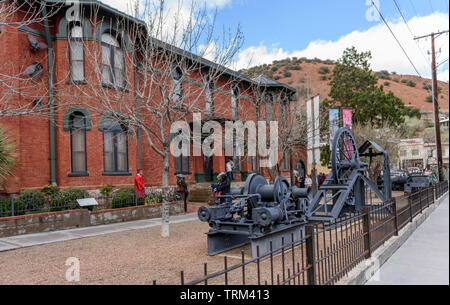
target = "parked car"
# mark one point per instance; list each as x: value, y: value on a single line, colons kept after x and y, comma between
x: 417, y: 182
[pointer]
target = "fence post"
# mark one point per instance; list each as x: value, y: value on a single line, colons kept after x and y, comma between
x: 366, y: 226
x: 310, y: 255
x: 420, y: 201
x: 394, y: 207
x: 410, y: 207
x: 11, y: 200
x: 135, y: 198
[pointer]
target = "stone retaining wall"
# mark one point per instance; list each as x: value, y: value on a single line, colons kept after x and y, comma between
x: 71, y: 219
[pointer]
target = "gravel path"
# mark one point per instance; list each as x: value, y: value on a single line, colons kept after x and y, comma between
x: 132, y: 257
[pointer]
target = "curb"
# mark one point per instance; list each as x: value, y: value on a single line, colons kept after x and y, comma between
x: 366, y: 269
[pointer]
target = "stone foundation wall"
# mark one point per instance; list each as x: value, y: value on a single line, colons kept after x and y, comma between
x: 46, y: 222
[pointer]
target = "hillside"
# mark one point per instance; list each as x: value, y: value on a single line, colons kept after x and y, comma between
x: 315, y: 74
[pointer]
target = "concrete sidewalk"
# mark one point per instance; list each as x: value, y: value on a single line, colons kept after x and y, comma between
x: 28, y: 240
x: 424, y: 258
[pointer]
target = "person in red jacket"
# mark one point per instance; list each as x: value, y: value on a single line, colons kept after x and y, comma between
x: 139, y: 184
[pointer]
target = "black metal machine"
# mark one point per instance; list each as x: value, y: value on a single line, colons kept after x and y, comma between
x: 261, y: 212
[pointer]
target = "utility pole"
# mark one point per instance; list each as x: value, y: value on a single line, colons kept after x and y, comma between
x: 435, y: 95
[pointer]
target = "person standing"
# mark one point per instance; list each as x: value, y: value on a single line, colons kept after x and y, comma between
x: 308, y: 181
x: 182, y: 188
x: 230, y: 168
x: 139, y: 184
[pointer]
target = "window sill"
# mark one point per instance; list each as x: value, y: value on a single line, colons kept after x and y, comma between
x: 78, y: 175
x: 78, y: 82
x: 117, y: 174
x: 110, y: 86
x: 184, y: 173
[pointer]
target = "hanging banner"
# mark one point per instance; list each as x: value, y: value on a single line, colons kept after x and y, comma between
x: 313, y: 122
x: 334, y: 123
x: 347, y: 118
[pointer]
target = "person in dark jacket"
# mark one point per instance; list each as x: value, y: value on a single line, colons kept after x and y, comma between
x: 224, y: 185
x: 182, y: 188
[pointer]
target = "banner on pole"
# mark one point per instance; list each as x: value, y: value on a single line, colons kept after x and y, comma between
x: 347, y: 118
x: 334, y: 123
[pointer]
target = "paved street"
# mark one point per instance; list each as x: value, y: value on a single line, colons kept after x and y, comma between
x: 424, y: 258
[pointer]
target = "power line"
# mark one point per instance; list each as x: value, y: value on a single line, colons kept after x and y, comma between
x: 412, y: 35
x: 406, y: 54
x: 414, y: 8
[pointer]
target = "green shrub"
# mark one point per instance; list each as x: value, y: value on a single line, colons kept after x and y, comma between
x: 125, y: 197
x: 383, y: 74
x: 324, y: 70
x: 411, y: 83
x: 154, y: 199
x: 427, y: 86
x: 106, y: 189
x: 397, y: 80
x: 5, y: 207
x: 387, y: 84
x: 66, y: 199
x: 323, y: 77
x: 429, y: 98
x: 404, y: 81
x: 31, y: 200
x: 49, y: 190
x: 287, y: 74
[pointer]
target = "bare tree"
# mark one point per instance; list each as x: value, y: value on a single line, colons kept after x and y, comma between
x: 173, y: 78
x: 22, y: 88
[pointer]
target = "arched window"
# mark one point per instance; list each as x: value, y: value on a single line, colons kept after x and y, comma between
x: 177, y: 94
x: 209, y: 87
x: 113, y: 63
x: 235, y: 92
x: 77, y: 128
x: 76, y: 53
x: 115, y: 146
x: 269, y: 100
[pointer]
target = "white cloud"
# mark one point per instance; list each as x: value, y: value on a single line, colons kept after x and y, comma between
x: 177, y: 15
x: 386, y: 53
x: 443, y: 76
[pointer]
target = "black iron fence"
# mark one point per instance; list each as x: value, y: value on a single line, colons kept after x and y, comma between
x: 326, y: 252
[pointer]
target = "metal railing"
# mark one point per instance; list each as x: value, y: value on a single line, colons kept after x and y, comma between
x: 327, y: 251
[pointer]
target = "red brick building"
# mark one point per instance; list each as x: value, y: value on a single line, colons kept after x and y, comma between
x: 75, y: 144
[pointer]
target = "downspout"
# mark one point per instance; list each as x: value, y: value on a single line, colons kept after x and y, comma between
x: 51, y: 99
x: 138, y: 105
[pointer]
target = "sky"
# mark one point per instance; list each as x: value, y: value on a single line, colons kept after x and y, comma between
x: 275, y: 30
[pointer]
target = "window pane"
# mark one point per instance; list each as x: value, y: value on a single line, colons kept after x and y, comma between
x: 109, y: 162
x: 108, y: 141
x: 109, y: 39
x: 76, y: 50
x: 119, y: 77
x: 185, y: 164
x: 77, y: 70
x: 122, y: 142
x: 122, y: 162
x: 76, y: 32
x: 106, y: 75
x: 118, y: 58
x: 106, y: 55
x: 78, y: 162
x: 78, y: 140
